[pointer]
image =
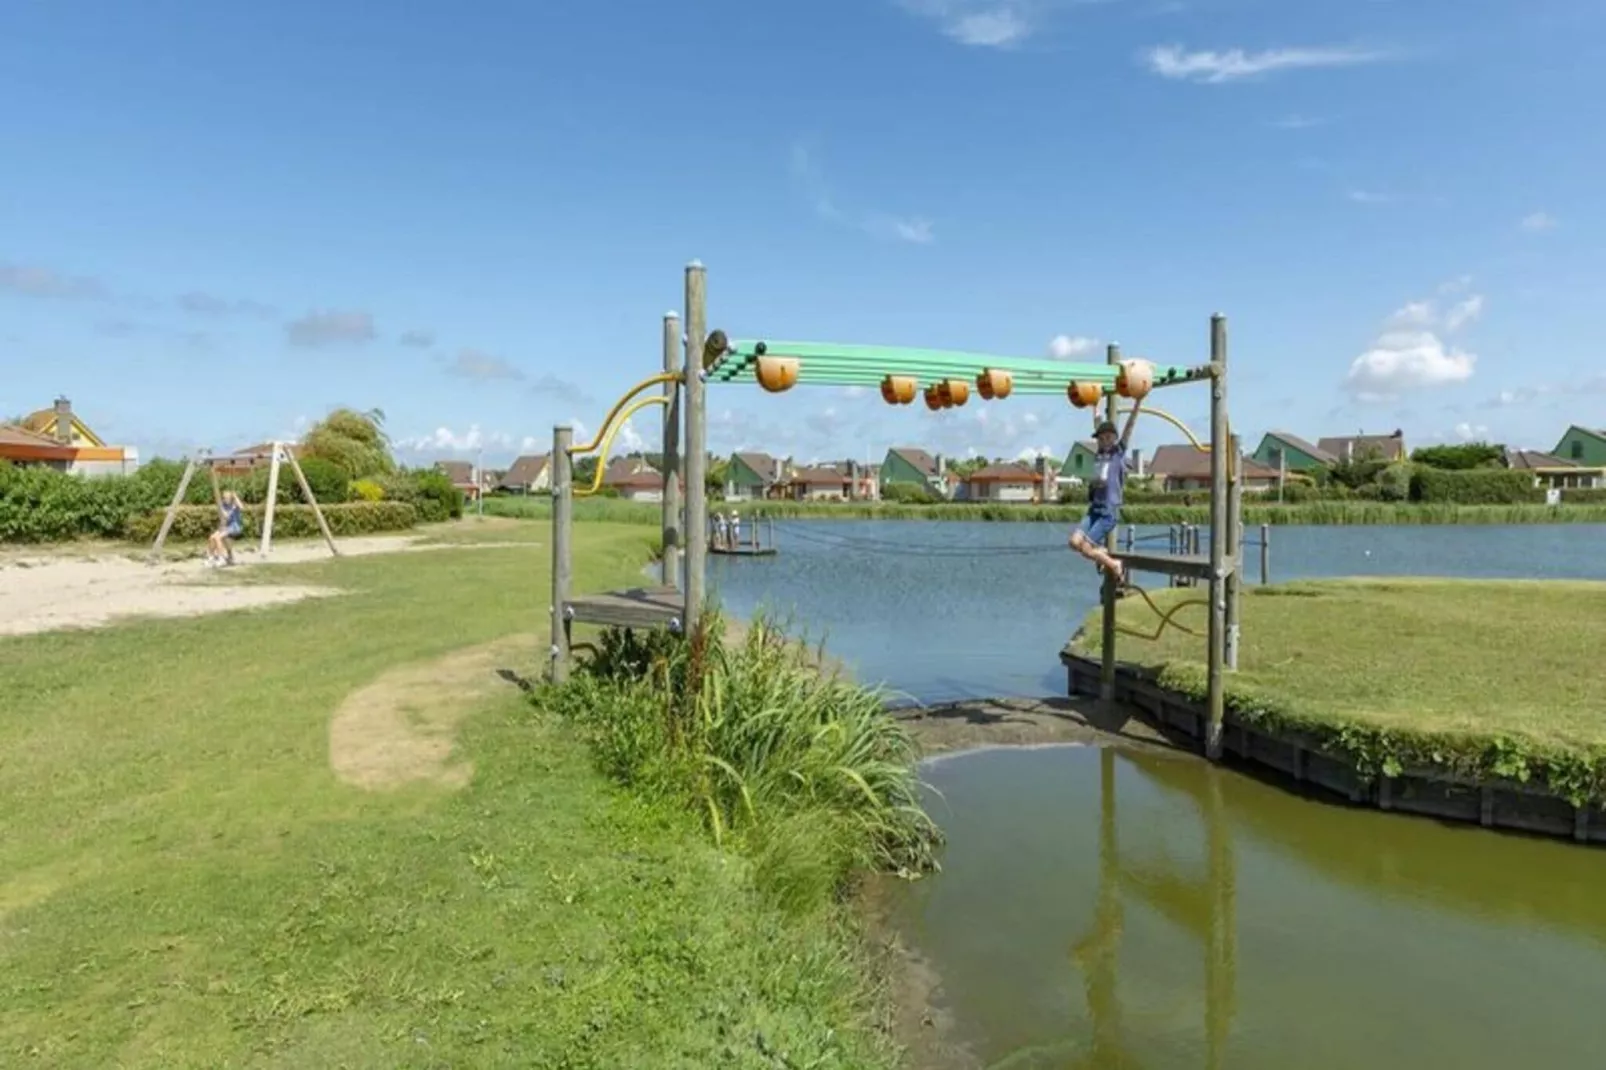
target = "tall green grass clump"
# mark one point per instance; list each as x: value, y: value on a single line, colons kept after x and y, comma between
x: 801, y: 770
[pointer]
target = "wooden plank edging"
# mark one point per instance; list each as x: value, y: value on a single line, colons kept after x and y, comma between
x: 1497, y: 804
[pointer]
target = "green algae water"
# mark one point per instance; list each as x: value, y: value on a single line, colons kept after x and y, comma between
x: 1099, y: 908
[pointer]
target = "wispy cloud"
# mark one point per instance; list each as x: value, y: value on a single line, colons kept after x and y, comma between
x: 1411, y: 356
x: 417, y: 339
x: 807, y: 174
x: 477, y: 364
x: 978, y: 23
x: 206, y: 304
x: 1214, y: 68
x: 1069, y: 347
x: 35, y: 280
x: 317, y: 329
x: 1369, y: 196
x: 1538, y: 222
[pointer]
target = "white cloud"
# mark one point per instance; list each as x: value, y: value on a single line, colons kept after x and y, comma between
x: 1538, y: 222
x: 1296, y: 122
x: 1463, y: 312
x: 1367, y: 196
x: 1068, y: 347
x: 809, y: 177
x: 1211, y: 67
x: 1409, y: 355
x: 1468, y: 432
x: 977, y: 23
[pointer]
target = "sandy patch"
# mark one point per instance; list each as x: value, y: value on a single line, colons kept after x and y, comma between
x: 66, y: 587
x: 401, y: 728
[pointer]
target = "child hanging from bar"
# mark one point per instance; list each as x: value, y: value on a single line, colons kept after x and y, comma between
x: 1104, y: 493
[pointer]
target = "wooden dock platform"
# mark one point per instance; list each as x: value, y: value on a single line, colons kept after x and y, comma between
x: 744, y: 550
x: 639, y: 607
x: 1191, y: 566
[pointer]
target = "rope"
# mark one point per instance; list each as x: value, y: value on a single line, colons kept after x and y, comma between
x: 1165, y: 617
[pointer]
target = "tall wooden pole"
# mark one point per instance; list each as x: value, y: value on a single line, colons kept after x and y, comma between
x: 1112, y: 355
x: 696, y: 523
x: 671, y: 463
x: 562, y: 532
x: 1235, y: 548
x: 172, y: 508
x: 272, y: 501
x: 1265, y: 554
x: 312, y: 500
x: 1219, y: 446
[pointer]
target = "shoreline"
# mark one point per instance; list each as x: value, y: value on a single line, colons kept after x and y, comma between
x: 1297, y: 762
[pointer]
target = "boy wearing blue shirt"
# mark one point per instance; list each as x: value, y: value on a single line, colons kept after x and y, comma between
x: 1104, y: 492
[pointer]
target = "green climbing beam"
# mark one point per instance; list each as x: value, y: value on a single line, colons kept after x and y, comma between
x: 826, y: 364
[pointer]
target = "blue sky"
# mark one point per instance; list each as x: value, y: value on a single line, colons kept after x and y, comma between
x: 218, y: 220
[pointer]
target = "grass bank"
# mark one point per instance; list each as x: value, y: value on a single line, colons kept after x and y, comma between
x: 186, y: 882
x: 1476, y: 679
x: 616, y: 510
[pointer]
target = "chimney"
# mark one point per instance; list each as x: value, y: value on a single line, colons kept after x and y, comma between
x: 64, y: 421
x: 1137, y: 462
x: 1349, y: 449
x: 853, y: 480
x: 942, y: 466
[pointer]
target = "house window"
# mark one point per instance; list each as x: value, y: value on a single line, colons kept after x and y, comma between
x: 1577, y: 449
x: 1275, y: 456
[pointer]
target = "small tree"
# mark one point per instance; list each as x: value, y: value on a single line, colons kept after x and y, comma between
x: 354, y: 441
x: 1460, y: 458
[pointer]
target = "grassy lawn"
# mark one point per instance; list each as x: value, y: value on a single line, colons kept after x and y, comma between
x: 185, y: 883
x: 1447, y: 669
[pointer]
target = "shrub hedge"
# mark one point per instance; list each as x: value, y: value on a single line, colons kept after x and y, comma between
x: 1475, y: 486
x: 194, y: 522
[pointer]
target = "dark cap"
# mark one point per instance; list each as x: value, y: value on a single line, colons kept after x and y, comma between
x: 1105, y: 428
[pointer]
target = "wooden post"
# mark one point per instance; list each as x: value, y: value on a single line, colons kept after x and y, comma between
x: 1112, y: 355
x: 562, y: 466
x: 271, y: 501
x: 672, y: 465
x: 1265, y: 554
x: 696, y: 526
x: 1235, y: 549
x: 172, y: 508
x: 1219, y: 446
x: 306, y: 491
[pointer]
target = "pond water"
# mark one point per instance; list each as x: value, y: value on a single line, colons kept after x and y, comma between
x: 1099, y: 908
x: 949, y: 610
x: 1105, y: 909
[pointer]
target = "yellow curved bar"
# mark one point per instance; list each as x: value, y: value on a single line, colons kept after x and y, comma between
x: 603, y: 432
x: 1232, y: 462
x: 607, y: 439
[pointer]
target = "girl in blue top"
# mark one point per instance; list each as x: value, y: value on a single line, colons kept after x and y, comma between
x: 1104, y: 493
x: 220, y: 544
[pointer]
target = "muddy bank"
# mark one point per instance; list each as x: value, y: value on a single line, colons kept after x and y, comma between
x: 912, y: 988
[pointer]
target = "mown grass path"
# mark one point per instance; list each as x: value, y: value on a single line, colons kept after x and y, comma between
x: 186, y: 882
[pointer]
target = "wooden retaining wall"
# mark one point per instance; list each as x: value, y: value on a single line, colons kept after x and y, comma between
x: 1498, y: 804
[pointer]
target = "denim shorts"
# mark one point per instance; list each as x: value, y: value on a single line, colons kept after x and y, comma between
x: 1097, y: 525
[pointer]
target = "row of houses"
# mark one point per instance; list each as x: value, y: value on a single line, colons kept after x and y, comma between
x: 1579, y: 460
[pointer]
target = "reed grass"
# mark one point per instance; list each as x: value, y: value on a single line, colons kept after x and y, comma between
x: 800, y: 768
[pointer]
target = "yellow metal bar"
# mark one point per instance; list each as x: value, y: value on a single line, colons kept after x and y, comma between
x: 603, y: 432
x: 607, y: 437
x: 1232, y: 462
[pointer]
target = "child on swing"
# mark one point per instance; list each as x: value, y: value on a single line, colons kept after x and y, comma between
x: 1104, y: 492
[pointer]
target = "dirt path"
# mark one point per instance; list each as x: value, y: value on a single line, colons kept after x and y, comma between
x: 401, y: 728
x: 65, y: 587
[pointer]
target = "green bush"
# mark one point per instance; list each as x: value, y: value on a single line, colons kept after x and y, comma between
x: 193, y: 522
x: 1584, y: 496
x: 907, y: 494
x: 42, y: 505
x: 436, y: 497
x: 1478, y: 486
x: 1394, y: 482
x: 803, y: 770
x: 366, y: 490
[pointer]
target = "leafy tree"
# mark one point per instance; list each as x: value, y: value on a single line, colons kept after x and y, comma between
x: 1460, y: 458
x: 354, y: 441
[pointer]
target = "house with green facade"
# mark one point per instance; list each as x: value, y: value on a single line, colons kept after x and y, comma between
x: 1583, y: 446
x: 1280, y: 451
x: 909, y: 466
x: 1079, y: 462
x: 751, y: 476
